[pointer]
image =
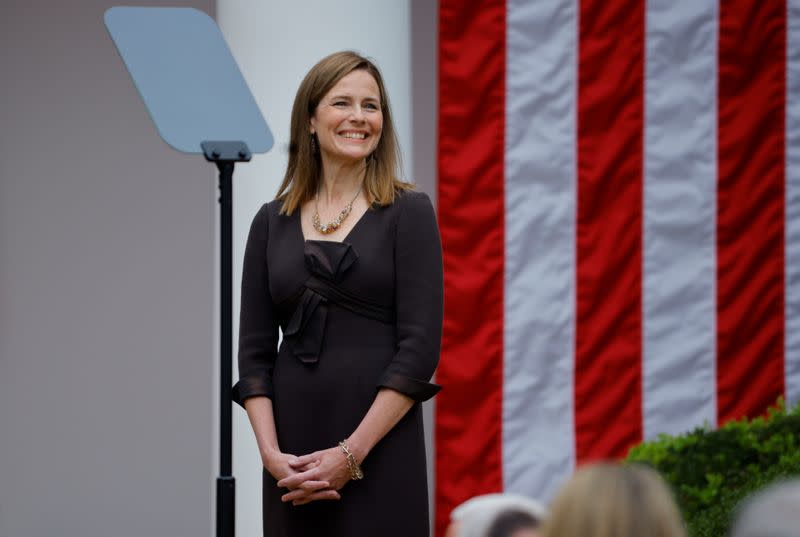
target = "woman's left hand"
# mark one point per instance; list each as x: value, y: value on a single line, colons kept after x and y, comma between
x: 331, y: 466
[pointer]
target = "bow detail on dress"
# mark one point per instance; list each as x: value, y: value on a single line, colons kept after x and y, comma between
x: 328, y: 259
x: 327, y: 262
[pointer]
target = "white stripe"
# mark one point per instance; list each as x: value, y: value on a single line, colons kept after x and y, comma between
x: 540, y: 169
x: 679, y: 305
x: 792, y: 255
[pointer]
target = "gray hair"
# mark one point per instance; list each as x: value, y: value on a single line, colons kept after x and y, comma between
x: 773, y: 512
x: 475, y: 516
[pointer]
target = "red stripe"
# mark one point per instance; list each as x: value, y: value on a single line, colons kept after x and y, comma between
x: 608, y: 398
x: 471, y: 219
x: 750, y: 206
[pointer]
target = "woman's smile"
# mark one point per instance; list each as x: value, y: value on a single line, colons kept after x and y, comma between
x: 354, y: 135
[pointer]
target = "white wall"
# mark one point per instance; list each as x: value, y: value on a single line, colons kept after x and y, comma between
x: 275, y: 44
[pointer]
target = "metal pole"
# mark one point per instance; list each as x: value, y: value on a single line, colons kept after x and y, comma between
x: 226, y: 484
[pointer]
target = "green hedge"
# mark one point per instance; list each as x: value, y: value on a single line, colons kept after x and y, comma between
x: 711, y: 471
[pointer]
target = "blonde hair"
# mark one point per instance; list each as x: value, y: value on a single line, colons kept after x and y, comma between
x: 304, y: 169
x: 613, y: 500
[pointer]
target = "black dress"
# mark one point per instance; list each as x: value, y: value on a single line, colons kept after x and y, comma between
x: 356, y: 316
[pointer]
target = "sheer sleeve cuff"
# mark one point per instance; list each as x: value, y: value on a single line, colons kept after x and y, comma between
x: 416, y: 389
x: 250, y: 387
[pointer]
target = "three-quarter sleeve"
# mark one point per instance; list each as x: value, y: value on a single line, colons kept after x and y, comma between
x: 258, y: 326
x: 419, y: 299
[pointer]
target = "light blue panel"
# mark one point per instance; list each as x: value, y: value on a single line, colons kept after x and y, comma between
x: 187, y: 77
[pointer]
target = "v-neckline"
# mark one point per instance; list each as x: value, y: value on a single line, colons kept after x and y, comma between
x: 343, y: 241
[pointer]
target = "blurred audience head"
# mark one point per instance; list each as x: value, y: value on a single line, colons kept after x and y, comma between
x: 773, y: 512
x: 514, y: 523
x: 613, y: 500
x: 496, y: 515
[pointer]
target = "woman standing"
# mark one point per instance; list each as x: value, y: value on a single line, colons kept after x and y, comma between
x: 347, y: 262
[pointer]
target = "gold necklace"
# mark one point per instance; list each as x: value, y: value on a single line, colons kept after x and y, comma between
x: 334, y: 224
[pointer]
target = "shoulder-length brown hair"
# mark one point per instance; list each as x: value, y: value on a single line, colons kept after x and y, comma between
x: 304, y: 170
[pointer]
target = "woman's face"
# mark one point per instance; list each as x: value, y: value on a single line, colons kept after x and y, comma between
x: 348, y: 120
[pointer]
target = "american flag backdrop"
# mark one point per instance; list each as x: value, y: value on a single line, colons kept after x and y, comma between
x: 619, y: 204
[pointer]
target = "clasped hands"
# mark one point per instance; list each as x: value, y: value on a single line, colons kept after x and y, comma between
x: 316, y: 476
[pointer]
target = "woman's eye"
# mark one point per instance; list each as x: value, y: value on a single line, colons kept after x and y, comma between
x: 340, y: 103
x: 371, y: 106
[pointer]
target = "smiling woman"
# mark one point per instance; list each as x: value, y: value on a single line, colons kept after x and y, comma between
x: 348, y: 121
x: 346, y: 261
x: 350, y: 83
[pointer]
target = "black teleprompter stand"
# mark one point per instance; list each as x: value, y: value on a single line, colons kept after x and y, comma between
x: 225, y: 155
x: 196, y: 94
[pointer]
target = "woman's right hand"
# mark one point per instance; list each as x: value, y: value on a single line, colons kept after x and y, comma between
x: 279, y: 466
x: 277, y: 463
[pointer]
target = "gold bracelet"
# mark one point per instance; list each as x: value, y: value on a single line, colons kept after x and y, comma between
x: 352, y: 464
